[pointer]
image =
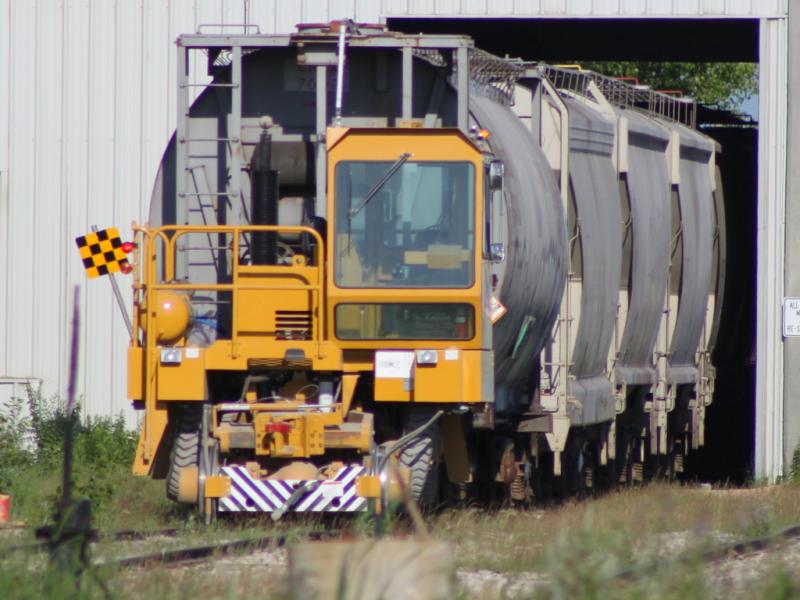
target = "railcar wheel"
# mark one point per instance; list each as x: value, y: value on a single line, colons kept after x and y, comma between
x: 185, y: 454
x: 422, y: 457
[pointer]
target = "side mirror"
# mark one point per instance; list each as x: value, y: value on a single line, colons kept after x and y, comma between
x: 497, y: 252
x: 496, y: 172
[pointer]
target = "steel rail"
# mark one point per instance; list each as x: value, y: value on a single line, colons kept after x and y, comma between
x: 717, y: 553
x: 194, y: 553
x: 758, y: 544
x: 135, y: 534
x: 121, y: 535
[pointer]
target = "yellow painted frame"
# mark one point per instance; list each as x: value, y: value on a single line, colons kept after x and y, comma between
x: 144, y: 363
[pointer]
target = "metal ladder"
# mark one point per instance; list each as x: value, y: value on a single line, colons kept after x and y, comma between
x: 198, y: 200
x: 189, y: 182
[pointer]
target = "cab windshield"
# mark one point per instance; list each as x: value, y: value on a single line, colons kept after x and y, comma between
x: 404, y: 224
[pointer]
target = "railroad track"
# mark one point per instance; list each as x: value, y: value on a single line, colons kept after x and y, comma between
x: 121, y: 535
x: 752, y: 545
x: 717, y: 553
x: 176, y: 556
x: 192, y: 554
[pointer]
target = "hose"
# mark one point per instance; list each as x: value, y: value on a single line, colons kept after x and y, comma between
x: 298, y: 493
x: 406, y: 439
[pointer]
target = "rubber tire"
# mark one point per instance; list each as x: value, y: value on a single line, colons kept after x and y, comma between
x: 185, y: 449
x: 422, y: 458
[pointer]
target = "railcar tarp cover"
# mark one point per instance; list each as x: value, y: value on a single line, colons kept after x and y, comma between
x: 649, y: 236
x: 696, y: 206
x: 598, y: 213
x: 535, y: 267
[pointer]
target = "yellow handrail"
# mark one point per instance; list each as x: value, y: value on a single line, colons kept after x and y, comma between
x: 169, y: 236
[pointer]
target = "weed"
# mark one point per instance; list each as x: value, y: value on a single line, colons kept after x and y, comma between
x: 794, y: 468
x: 32, y: 432
x: 14, y: 454
x: 759, y: 523
x: 30, y: 580
x: 583, y: 565
x: 679, y: 582
x: 21, y: 580
x: 48, y: 422
x: 781, y: 584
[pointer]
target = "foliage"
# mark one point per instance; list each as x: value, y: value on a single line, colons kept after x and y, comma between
x: 13, y: 453
x: 32, y: 434
x: 20, y: 581
x: 725, y: 85
x: 794, y: 468
x: 583, y: 565
x: 28, y: 580
x: 780, y: 585
x: 588, y: 565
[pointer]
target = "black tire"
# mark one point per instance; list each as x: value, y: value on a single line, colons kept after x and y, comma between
x: 422, y: 457
x: 185, y: 448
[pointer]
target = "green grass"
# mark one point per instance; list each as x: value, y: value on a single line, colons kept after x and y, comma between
x: 513, y: 541
x: 32, y: 434
x: 18, y: 581
x: 578, y: 548
x: 31, y: 456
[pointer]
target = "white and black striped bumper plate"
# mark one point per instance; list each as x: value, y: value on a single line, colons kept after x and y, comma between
x: 267, y: 495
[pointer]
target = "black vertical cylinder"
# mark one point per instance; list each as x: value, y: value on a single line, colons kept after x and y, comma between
x: 264, y: 202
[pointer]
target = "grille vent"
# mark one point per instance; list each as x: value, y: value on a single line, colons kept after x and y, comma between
x: 277, y: 363
x: 293, y: 324
x: 264, y: 363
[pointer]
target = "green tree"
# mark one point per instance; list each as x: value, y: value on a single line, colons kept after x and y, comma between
x: 725, y: 85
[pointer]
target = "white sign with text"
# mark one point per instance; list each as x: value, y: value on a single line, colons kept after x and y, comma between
x: 791, y: 317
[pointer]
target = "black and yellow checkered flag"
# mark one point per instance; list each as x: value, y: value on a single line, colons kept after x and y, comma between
x: 102, y: 253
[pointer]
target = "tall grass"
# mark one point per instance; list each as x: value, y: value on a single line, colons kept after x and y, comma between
x: 22, y: 580
x: 32, y: 431
x: 516, y: 541
x: 794, y: 467
x: 578, y: 547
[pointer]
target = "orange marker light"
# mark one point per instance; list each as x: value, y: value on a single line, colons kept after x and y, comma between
x: 125, y: 267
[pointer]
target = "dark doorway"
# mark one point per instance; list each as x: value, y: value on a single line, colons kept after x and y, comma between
x: 559, y: 40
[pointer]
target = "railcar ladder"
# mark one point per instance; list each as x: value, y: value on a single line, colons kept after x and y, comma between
x: 193, y: 195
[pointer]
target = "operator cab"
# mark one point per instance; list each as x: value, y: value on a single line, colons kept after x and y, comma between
x: 404, y: 248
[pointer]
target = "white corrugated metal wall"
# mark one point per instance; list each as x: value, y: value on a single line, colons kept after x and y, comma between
x: 86, y: 109
x: 772, y: 119
x: 87, y: 106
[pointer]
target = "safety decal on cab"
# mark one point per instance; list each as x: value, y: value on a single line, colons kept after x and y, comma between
x: 497, y: 310
x: 102, y: 252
